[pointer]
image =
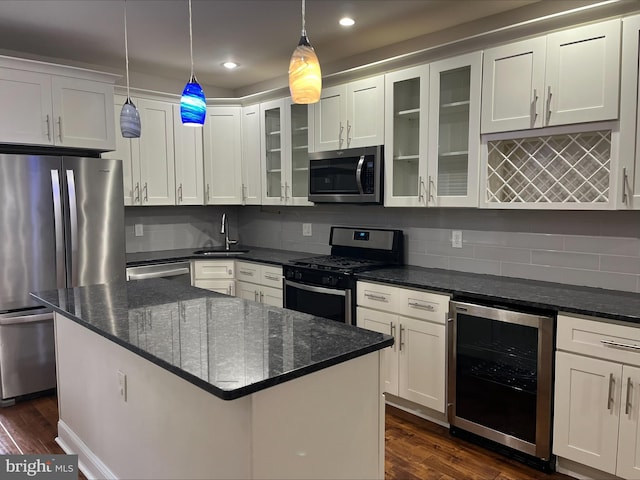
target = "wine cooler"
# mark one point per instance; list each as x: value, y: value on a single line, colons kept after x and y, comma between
x: 500, y: 378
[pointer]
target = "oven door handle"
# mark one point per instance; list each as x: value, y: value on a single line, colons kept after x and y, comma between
x: 359, y: 174
x: 309, y: 288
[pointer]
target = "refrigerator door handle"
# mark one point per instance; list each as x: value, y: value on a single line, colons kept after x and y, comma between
x: 58, y: 229
x: 73, y: 224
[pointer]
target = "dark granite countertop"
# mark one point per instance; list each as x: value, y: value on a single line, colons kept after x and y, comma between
x: 225, y: 345
x: 255, y: 254
x: 597, y: 302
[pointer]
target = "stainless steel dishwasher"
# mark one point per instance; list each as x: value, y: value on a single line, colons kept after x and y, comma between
x: 174, y: 271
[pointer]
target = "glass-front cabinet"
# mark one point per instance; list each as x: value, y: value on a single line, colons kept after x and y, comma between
x: 432, y: 130
x: 407, y: 100
x: 285, y: 162
x: 454, y: 132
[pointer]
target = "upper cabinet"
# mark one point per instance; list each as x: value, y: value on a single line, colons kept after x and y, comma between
x: 406, y: 133
x: 567, y: 77
x: 433, y: 134
x: 454, y: 132
x: 284, y: 160
x: 187, y: 142
x: 349, y: 115
x: 223, y: 155
x: 251, y: 149
x: 45, y: 104
x: 629, y: 174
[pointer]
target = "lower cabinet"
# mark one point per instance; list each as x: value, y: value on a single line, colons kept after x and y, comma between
x: 597, y: 395
x: 415, y: 366
x: 259, y: 282
x: 215, y: 275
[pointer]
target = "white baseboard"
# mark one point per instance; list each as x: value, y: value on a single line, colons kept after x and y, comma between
x: 89, y: 464
x: 582, y: 472
x: 417, y: 410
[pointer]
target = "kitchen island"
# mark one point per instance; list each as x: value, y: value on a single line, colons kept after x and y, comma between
x: 158, y: 380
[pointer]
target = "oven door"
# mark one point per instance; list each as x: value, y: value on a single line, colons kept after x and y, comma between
x: 334, y: 304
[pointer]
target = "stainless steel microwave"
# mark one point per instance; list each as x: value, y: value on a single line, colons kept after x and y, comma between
x: 353, y: 175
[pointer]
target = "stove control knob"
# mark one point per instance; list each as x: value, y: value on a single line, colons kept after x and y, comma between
x: 289, y: 274
x: 326, y: 280
x: 334, y: 281
x: 298, y: 275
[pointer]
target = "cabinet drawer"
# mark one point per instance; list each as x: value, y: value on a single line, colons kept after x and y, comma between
x: 271, y: 276
x: 599, y: 338
x: 213, y: 269
x: 377, y: 296
x: 248, y: 272
x: 226, y: 287
x: 423, y: 305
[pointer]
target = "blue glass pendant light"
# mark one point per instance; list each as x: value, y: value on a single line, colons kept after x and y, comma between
x: 193, y: 105
x: 129, y: 116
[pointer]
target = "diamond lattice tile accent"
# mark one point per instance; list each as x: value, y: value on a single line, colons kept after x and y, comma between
x: 570, y: 168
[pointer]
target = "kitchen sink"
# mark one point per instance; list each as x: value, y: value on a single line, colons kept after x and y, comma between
x: 220, y: 252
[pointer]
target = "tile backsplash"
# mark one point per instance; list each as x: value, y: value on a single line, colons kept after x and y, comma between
x: 592, y: 248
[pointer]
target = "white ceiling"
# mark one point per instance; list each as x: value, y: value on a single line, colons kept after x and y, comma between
x: 258, y: 34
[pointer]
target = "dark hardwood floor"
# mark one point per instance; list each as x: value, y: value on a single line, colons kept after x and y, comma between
x: 415, y: 449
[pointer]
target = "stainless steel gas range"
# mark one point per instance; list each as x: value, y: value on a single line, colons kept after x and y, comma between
x: 325, y: 285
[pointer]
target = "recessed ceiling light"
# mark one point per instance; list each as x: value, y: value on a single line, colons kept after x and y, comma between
x: 347, y: 22
x: 230, y: 65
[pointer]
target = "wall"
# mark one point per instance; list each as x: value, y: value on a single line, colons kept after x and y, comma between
x: 599, y: 248
x: 167, y: 228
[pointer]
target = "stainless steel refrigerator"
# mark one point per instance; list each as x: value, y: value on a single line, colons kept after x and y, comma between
x: 61, y: 225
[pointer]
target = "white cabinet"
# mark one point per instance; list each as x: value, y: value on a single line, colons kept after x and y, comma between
x: 148, y: 161
x: 571, y: 76
x: 223, y: 155
x: 415, y: 367
x: 454, y: 132
x: 259, y: 282
x: 284, y: 160
x: 406, y: 136
x: 251, y: 151
x: 189, y: 171
x: 350, y: 115
x: 629, y: 174
x: 597, y: 395
x: 215, y: 275
x: 64, y: 110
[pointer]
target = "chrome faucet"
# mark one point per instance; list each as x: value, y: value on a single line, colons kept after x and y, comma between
x: 224, y: 230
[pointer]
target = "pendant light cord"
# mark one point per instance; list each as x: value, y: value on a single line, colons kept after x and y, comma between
x: 190, y: 39
x: 126, y: 47
x: 304, y: 28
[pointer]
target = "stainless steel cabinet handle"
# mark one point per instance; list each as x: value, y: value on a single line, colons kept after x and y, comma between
x: 534, y: 107
x: 340, y: 135
x: 424, y: 306
x: 180, y: 193
x: 401, y: 337
x: 612, y: 382
x: 48, y: 128
x: 246, y: 272
x: 261, y: 297
x: 244, y: 193
x: 60, y: 128
x: 208, y: 197
x: 272, y: 277
x: 373, y: 296
x: 393, y: 334
x: 281, y: 192
x: 430, y: 192
x: 549, y: 105
x: 285, y: 191
x: 627, y: 403
x: 609, y: 343
x: 624, y: 185
x: 348, y: 133
x: 136, y: 199
x: 255, y: 295
x: 146, y: 192
x: 420, y: 186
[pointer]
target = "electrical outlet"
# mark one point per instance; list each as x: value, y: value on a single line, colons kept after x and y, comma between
x: 456, y: 238
x: 122, y: 385
x: 306, y: 230
x: 139, y: 230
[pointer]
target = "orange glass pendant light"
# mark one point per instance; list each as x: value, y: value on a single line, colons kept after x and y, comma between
x: 305, y: 77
